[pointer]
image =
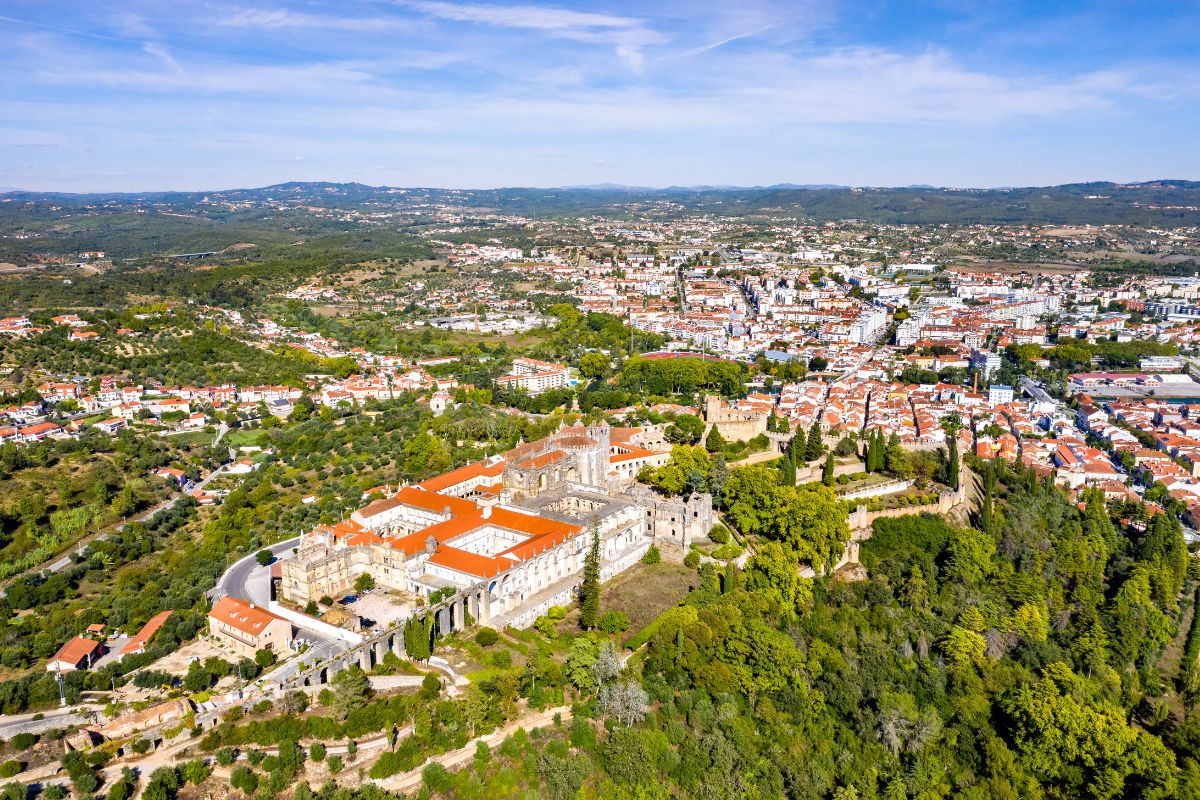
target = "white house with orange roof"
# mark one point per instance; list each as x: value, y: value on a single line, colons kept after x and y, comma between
x: 244, y: 628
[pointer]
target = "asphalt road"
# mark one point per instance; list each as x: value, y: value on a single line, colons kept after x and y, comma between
x: 49, y: 720
x: 248, y: 580
x: 65, y: 561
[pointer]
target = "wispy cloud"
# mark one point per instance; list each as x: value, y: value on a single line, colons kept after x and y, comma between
x: 279, y: 19
x: 629, y: 36
x: 705, y: 48
x: 477, y: 92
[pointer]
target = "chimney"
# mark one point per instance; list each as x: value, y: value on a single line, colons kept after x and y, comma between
x: 487, y: 512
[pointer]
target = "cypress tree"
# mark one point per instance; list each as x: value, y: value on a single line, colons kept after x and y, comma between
x: 417, y: 635
x: 985, y: 505
x: 798, y: 447
x: 871, y: 452
x: 815, y: 448
x: 589, y: 590
x: 714, y: 442
x: 787, y: 470
x: 730, y: 583
x: 952, y: 461
x: 827, y: 472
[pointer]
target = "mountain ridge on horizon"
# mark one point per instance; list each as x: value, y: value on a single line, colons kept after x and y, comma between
x: 1184, y: 183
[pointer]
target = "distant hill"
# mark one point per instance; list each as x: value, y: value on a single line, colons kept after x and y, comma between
x: 1166, y: 203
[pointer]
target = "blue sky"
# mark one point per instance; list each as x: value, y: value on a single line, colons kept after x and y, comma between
x: 211, y: 94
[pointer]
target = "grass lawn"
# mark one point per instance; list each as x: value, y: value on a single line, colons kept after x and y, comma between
x: 243, y: 438
x: 194, y: 437
x: 646, y: 591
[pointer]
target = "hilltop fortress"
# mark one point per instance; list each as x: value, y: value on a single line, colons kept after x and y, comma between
x: 519, y: 524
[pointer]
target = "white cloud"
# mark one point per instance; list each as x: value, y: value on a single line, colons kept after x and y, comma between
x: 284, y: 19
x: 629, y: 36
x: 544, y: 18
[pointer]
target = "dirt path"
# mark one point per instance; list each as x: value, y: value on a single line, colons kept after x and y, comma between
x: 408, y: 781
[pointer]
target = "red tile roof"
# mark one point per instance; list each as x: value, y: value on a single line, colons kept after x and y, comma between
x: 419, y: 498
x: 469, y: 563
x: 138, y: 643
x: 544, y: 460
x: 464, y: 474
x: 246, y: 617
x: 76, y: 650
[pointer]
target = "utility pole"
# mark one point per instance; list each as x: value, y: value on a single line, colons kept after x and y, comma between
x: 62, y: 695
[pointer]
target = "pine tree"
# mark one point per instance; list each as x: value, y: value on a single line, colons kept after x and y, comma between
x: 814, y: 448
x: 827, y: 472
x: 589, y: 590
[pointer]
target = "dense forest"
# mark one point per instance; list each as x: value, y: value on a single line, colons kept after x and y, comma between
x: 1032, y: 654
x: 1017, y: 658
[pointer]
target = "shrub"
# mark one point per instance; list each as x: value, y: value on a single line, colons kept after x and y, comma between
x: 162, y: 784
x: 614, y: 622
x: 10, y: 768
x: 86, y: 783
x: 719, y: 534
x: 501, y: 659
x: 242, y: 778
x: 653, y: 555
x: 264, y: 657
x: 317, y: 751
x: 556, y: 612
x: 24, y: 741
x: 547, y: 627
x: 141, y: 746
x: 255, y: 757
x: 436, y: 778
x: 431, y: 687
x: 691, y: 560
x: 334, y: 762
x: 226, y: 756
x: 153, y: 678
x: 486, y: 637
x: 195, y: 772
x: 406, y: 757
x: 121, y: 790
